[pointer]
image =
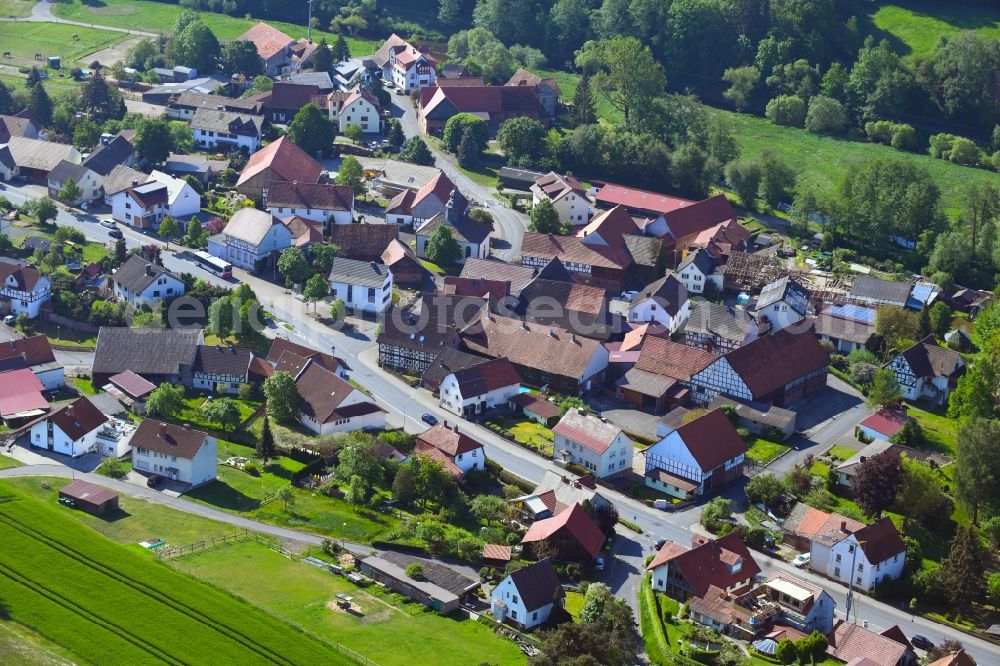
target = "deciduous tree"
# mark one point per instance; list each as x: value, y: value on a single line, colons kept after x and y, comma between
x: 977, y: 465
x: 456, y: 127
x: 877, y: 481
x: 165, y: 401
x: 310, y: 130
x: 282, y: 397
x: 240, y: 57
x: 223, y: 411
x: 352, y: 174
x: 545, y: 219
x: 153, y: 140
x: 885, y: 390
x: 629, y: 78
x: 316, y: 289
x: 293, y: 265
x: 442, y: 248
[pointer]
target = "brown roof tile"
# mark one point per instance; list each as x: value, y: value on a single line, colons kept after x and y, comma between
x: 288, y: 161
x: 364, y: 242
x: 173, y: 440
x: 78, y: 418
x: 712, y: 439
x: 448, y: 441
x: 772, y: 361
x: 322, y: 196
x: 671, y: 359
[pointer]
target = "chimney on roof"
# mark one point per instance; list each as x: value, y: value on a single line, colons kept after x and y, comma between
x: 135, y: 182
x: 149, y: 270
x: 552, y: 332
x: 581, y: 411
x: 454, y: 426
x: 524, y: 325
x: 843, y: 526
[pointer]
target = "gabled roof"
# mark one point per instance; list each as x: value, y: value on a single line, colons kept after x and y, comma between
x: 537, y: 584
x: 610, y: 225
x: 718, y: 320
x: 536, y: 405
x: 20, y: 392
x: 121, y: 178
x: 363, y: 273
x: 304, y: 232
x: 463, y: 228
x: 321, y: 80
x: 587, y: 430
x: 109, y: 155
x: 66, y: 170
x: 478, y: 287
x: 638, y: 200
x: 517, y: 275
x: 816, y: 525
x: 133, y: 385
x: 573, y: 520
x: 668, y: 292
x: 887, y: 421
x: 701, y: 259
x: 250, y: 225
x: 576, y: 250
x: 555, y: 186
x: 850, y: 641
x: 771, y: 362
x: 779, y: 289
x: 269, y: 41
x: 485, y: 100
x: 874, y: 290
x: 87, y: 492
x: 136, y: 274
x: 959, y: 658
x: 667, y: 552
x: 721, y: 562
x: 279, y: 346
x: 712, y: 439
x: 693, y: 218
x: 25, y: 277
x: 78, y: 418
x: 365, y: 242
x: 571, y: 297
x: 11, y: 126
x: 38, y: 154
x: 216, y: 120
x: 448, y: 440
x: 147, y: 351
x: 523, y: 77
x: 482, y: 378
x: 323, y: 392
x: 928, y: 360
x: 34, y: 350
x: 291, y: 363
x: 288, y: 161
x: 448, y: 361
x: 322, y: 196
x: 396, y: 252
x: 842, y: 329
x: 167, y: 438
x: 222, y: 360
x: 671, y: 359
x: 880, y: 540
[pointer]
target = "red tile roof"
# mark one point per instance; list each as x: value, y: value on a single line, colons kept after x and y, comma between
x: 441, y: 187
x: 957, y: 659
x: 573, y: 520
x: 20, y: 392
x: 639, y: 200
x: 610, y: 225
x: 574, y: 249
x: 269, y: 41
x: 587, y: 430
x: 35, y: 350
x: 667, y: 552
x: 135, y: 386
x: 25, y: 277
x: 288, y: 161
x: 671, y: 359
x: 280, y: 345
x: 887, y: 421
x: 711, y: 563
x: 712, y: 439
x: 448, y: 441
x: 324, y: 196
x: 503, y: 100
x: 423, y: 449
x: 531, y: 402
x: 173, y: 440
x: 850, y: 641
x: 772, y: 361
x: 700, y: 216
x: 492, y: 551
x: 88, y: 492
x: 880, y: 540
x: 78, y: 418
x: 482, y: 378
x: 478, y: 287
x: 555, y: 186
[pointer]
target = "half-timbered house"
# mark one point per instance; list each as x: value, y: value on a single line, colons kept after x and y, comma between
x: 221, y: 369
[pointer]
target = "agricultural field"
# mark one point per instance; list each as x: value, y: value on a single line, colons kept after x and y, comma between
x: 299, y: 594
x: 70, y: 42
x: 19, y: 646
x: 159, y: 17
x: 914, y: 26
x: 58, y: 583
x: 15, y: 8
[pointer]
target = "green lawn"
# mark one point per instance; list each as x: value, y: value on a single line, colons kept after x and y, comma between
x: 6, y: 462
x: 916, y: 25
x: 389, y: 630
x: 763, y: 451
x: 61, y: 335
x: 15, y: 8
x: 52, y: 86
x: 191, y: 413
x: 819, y: 469
x: 440, y: 270
x: 83, y: 385
x: 24, y: 40
x: 574, y: 604
x: 160, y: 17
x: 531, y: 434
x: 841, y: 452
x: 940, y: 432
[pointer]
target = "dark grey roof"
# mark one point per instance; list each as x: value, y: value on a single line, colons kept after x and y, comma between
x: 879, y: 291
x: 777, y: 290
x: 435, y: 572
x: 668, y: 292
x: 717, y: 319
x: 109, y: 155
x: 222, y: 360
x: 537, y: 584
x: 702, y: 260
x: 645, y: 250
x: 66, y: 170
x: 352, y: 271
x: 447, y: 362
x: 6, y: 158
x: 216, y: 120
x: 136, y: 274
x: 145, y: 351
x: 122, y: 177
x: 463, y: 228
x: 319, y: 79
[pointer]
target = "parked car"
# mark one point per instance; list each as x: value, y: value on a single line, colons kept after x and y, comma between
x: 116, y: 233
x: 802, y: 560
x: 10, y: 320
x: 659, y: 543
x: 110, y: 224
x: 599, y: 564
x: 154, y: 481
x: 429, y: 419
x: 922, y: 642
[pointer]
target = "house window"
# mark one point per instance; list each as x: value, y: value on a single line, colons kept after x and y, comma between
x: 836, y: 572
x: 838, y: 557
x: 857, y: 581
x: 850, y: 548
x: 514, y: 599
x: 534, y: 616
x: 513, y: 613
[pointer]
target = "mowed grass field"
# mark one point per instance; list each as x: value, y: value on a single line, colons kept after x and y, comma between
x: 916, y: 25
x: 24, y: 40
x: 147, y: 16
x: 389, y: 630
x: 106, y: 604
x: 15, y: 8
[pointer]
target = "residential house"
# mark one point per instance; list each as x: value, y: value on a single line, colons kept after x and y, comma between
x: 280, y: 346
x: 141, y: 206
x: 664, y: 302
x: 17, y: 126
x: 782, y: 303
x: 928, y: 371
x: 395, y: 176
x: 712, y: 224
x: 846, y: 470
x: 883, y: 424
x: 363, y: 286
x: 284, y: 100
x: 405, y: 66
x: 8, y: 166
x: 321, y: 202
x: 113, y: 151
x: 218, y: 129
x: 516, y: 275
x: 682, y: 573
x: 476, y: 390
x: 779, y: 368
x: 402, y: 261
x: 571, y: 535
x: 872, y: 292
x: 578, y: 308
x: 120, y: 178
x: 566, y: 195
x: 699, y: 457
x: 593, y: 443
x: 846, y: 326
x: 364, y: 242
x: 543, y: 355
x: 590, y: 260
x: 302, y: 231
x: 353, y: 71
x: 195, y: 166
x: 556, y: 492
x: 535, y: 409
x: 547, y: 89
x: 321, y: 80
x: 177, y: 453
x: 139, y: 282
x: 473, y: 237
x: 413, y: 206
x: 411, y: 339
x: 70, y: 430
x: 23, y: 289
x: 661, y: 377
x: 850, y: 641
x: 494, y: 104
x: 187, y: 104
x: 158, y: 354
x: 717, y: 328
x: 87, y: 180
x: 34, y: 159
x: 784, y: 601
x: 448, y: 362
x: 329, y: 404
x: 458, y: 452
x: 698, y: 270
x: 251, y: 238
x: 281, y: 160
x: 844, y: 549
x: 527, y: 596
x: 221, y: 370
x: 273, y: 46
x: 33, y: 353
x: 354, y: 107
x: 719, y: 240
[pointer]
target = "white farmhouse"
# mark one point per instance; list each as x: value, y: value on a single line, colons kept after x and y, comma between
x: 527, y: 596
x: 566, y: 194
x: 70, y: 430
x: 476, y: 390
x: 251, y: 236
x: 330, y: 405
x: 139, y: 282
x: 927, y: 370
x: 319, y: 202
x: 403, y: 65
x: 592, y: 443
x: 178, y: 453
x: 458, y: 452
x: 782, y: 303
x: 23, y: 287
x: 354, y: 107
x: 697, y: 270
x: 364, y: 286
x: 664, y: 302
x: 218, y: 129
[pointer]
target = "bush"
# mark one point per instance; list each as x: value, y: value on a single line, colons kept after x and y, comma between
x: 112, y: 467
x: 826, y: 116
x: 245, y: 392
x: 253, y: 468
x: 415, y: 570
x: 786, y: 110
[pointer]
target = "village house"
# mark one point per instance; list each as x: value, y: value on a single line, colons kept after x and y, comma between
x: 33, y: 353
x: 664, y: 302
x: 80, y: 175
x: 281, y: 160
x: 411, y: 339
x: 405, y: 66
x: 329, y: 404
x: 640, y: 203
x: 413, y: 206
x: 285, y: 99
x: 120, y: 178
x: 476, y: 390
x: 177, y: 453
x: 547, y: 89
x: 845, y: 549
x: 578, y: 308
x: 280, y: 346
x: 363, y: 286
x: 354, y: 107
x: 556, y: 492
x: 661, y: 377
x: 682, y: 573
x: 473, y: 237
x: 851, y: 641
x: 712, y: 224
x: 527, y: 596
x: 872, y: 292
x: 448, y: 362
x: 33, y: 159
x: 458, y: 452
x: 23, y: 288
x: 158, y: 354
x: 846, y: 470
x: 12, y: 126
x: 928, y: 371
x: 250, y: 239
x: 139, y: 282
x: 717, y: 328
x: 782, y: 303
x: 144, y: 205
x: 593, y: 443
x: 494, y: 104
x: 782, y: 601
x: 70, y: 430
x: 221, y: 370
x: 218, y: 129
x: 21, y: 397
x: 847, y: 327
x: 321, y: 202
x: 571, y: 536
x: 763, y: 420
x: 779, y: 368
x: 400, y: 258
x: 321, y: 80
x: 566, y: 195
x: 698, y: 270
x: 395, y: 176
x: 187, y: 104
x: 699, y: 457
x: 883, y: 424
x: 273, y: 46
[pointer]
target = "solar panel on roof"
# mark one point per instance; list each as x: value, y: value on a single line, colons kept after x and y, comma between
x: 852, y: 312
